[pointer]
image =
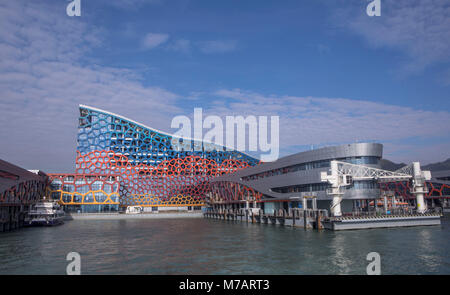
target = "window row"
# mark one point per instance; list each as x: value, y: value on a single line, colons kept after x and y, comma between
x: 312, y: 165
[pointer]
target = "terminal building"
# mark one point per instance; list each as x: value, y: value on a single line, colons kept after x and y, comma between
x: 284, y: 183
x: 287, y: 182
x: 438, y: 189
x: 122, y: 163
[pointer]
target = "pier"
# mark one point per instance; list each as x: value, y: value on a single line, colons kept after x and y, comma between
x: 319, y: 219
x: 297, y: 218
x: 382, y: 221
x: 19, y: 189
x: 11, y: 217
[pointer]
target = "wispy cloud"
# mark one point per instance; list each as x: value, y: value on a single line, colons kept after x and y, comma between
x: 419, y: 28
x: 130, y: 4
x: 316, y: 120
x: 44, y: 76
x: 153, y: 40
x: 425, y: 152
x: 217, y: 46
x: 180, y: 45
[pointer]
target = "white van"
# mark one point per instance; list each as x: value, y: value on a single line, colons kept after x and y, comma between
x: 133, y: 210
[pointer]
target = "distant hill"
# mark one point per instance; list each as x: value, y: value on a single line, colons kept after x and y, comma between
x: 439, y: 166
x: 391, y: 166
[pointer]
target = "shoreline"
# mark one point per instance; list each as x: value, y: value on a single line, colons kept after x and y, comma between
x: 117, y: 216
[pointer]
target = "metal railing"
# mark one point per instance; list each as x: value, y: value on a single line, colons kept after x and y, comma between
x: 281, y: 213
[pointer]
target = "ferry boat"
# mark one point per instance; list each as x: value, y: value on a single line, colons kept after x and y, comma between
x: 45, y: 214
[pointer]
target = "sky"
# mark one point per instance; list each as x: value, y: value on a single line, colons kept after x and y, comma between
x: 330, y: 72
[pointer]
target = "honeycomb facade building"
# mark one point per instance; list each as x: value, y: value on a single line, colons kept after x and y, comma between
x: 86, y: 192
x: 152, y: 168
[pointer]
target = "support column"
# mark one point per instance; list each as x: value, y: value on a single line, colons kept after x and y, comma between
x: 335, y: 185
x: 418, y: 188
x: 314, y: 203
x: 305, y: 203
x: 336, y: 206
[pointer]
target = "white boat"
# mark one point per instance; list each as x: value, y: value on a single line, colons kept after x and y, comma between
x: 46, y: 214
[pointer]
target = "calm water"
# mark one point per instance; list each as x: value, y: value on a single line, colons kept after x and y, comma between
x: 203, y: 246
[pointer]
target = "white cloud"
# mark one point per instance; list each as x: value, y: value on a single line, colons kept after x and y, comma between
x: 153, y: 40
x: 420, y: 29
x: 425, y: 153
x: 180, y: 45
x: 316, y: 120
x: 130, y: 4
x: 44, y: 77
x: 207, y: 47
x: 217, y: 46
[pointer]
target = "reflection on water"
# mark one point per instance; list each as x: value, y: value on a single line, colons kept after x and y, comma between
x: 201, y: 246
x: 340, y: 259
x: 427, y: 250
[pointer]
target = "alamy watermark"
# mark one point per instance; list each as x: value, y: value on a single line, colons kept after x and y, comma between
x: 234, y: 130
x: 374, y: 267
x: 74, y: 8
x: 74, y: 267
x: 374, y: 8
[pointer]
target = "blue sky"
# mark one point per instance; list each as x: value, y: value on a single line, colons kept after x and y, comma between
x: 332, y: 73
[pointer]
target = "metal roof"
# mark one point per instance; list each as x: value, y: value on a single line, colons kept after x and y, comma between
x: 11, y: 175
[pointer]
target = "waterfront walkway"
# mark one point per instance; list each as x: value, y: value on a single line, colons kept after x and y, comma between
x: 118, y: 216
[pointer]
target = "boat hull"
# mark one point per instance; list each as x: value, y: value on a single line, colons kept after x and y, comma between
x: 51, y: 222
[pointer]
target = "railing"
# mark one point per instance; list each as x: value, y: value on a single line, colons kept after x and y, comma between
x: 392, y: 212
x: 281, y: 213
x: 323, y: 213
